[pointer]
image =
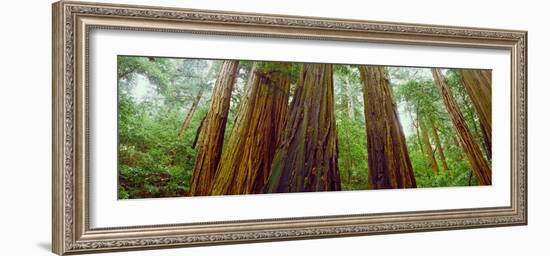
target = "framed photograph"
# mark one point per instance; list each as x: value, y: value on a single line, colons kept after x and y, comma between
x: 178, y: 127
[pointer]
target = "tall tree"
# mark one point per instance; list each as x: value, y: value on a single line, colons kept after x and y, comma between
x: 248, y: 154
x: 415, y: 124
x: 389, y: 163
x: 439, y: 147
x: 212, y: 130
x: 349, y: 95
x: 348, y: 109
x: 306, y: 159
x: 458, y: 144
x: 420, y: 94
x: 480, y: 167
x: 469, y: 113
x: 477, y: 84
x: 191, y: 112
x: 428, y: 147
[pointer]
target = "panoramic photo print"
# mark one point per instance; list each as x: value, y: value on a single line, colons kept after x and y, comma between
x: 201, y: 127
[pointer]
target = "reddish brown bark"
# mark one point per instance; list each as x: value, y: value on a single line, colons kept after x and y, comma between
x: 459, y: 146
x: 480, y: 167
x: 439, y: 147
x: 306, y: 159
x: 478, y: 87
x: 389, y: 163
x: 247, y: 157
x: 212, y: 131
x: 417, y: 129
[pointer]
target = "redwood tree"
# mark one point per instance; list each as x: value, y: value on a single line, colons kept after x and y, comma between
x: 428, y: 147
x: 389, y: 163
x: 191, y: 112
x: 306, y: 159
x: 416, y: 126
x: 248, y: 154
x: 477, y: 84
x: 439, y: 147
x: 480, y: 167
x: 212, y: 130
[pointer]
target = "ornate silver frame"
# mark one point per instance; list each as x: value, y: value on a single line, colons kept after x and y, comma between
x: 72, y: 21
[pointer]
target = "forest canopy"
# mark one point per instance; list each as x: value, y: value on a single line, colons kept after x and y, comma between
x: 197, y: 127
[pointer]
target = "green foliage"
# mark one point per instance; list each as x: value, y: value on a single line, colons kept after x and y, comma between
x: 416, y: 89
x: 352, y: 153
x: 459, y: 173
x: 291, y: 70
x: 153, y: 162
x: 155, y: 69
x: 350, y: 128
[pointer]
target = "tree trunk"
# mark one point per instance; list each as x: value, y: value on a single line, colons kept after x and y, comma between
x: 418, y: 136
x: 388, y: 157
x: 212, y: 131
x: 428, y: 147
x: 439, y: 147
x: 190, y: 114
x: 478, y: 87
x: 414, y: 122
x: 198, y: 133
x: 349, y: 93
x: 307, y: 158
x: 459, y: 146
x: 477, y: 132
x: 475, y: 157
x: 247, y: 157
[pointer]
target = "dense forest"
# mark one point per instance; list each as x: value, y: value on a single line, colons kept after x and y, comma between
x: 194, y: 127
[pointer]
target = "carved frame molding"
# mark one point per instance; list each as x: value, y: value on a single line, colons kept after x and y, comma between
x: 72, y: 22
